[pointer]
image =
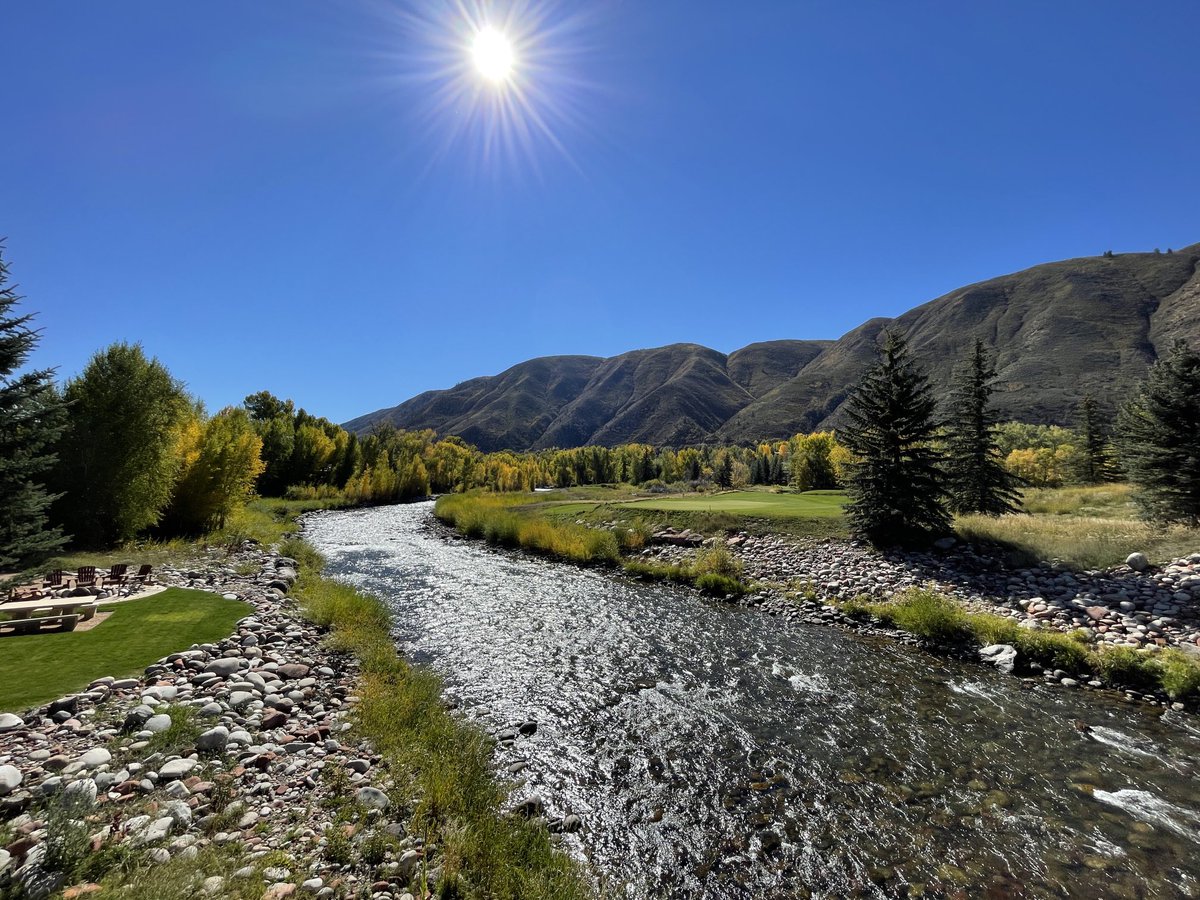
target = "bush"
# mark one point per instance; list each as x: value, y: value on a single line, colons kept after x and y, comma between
x: 1053, y: 650
x: 1179, y: 674
x: 337, y: 851
x: 717, y: 560
x: 67, y: 841
x: 1124, y: 667
x: 656, y: 572
x: 927, y: 614
x: 720, y: 585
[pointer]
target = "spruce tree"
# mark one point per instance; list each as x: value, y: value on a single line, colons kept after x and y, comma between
x: 1094, y: 465
x: 31, y: 420
x: 975, y: 475
x: 895, y: 483
x: 1158, y: 434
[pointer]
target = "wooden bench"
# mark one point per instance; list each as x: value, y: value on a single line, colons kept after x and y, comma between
x: 33, y: 625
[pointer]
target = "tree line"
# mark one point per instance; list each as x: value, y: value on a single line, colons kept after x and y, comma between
x: 122, y: 450
x: 911, y: 470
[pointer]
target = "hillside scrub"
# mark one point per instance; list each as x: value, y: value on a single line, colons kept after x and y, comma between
x: 940, y: 619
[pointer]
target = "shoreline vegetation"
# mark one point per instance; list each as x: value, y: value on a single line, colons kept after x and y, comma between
x: 441, y: 764
x: 528, y: 522
x: 442, y: 760
x: 506, y: 521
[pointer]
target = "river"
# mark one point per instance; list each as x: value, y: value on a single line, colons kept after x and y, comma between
x: 714, y: 751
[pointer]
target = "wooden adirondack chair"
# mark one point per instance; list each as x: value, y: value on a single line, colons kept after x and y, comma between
x: 55, y: 580
x: 86, y: 576
x: 118, y: 575
x: 144, y: 576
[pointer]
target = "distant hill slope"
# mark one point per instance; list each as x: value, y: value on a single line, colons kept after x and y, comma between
x: 1059, y: 329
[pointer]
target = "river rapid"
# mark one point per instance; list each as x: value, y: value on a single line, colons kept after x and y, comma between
x: 715, y: 751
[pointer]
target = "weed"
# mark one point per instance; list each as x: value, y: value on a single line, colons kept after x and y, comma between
x: 337, y: 851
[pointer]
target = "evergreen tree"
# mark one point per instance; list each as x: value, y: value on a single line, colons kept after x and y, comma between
x: 976, y: 478
x: 895, y: 482
x: 31, y: 420
x: 1094, y: 462
x: 1159, y: 438
x: 119, y: 457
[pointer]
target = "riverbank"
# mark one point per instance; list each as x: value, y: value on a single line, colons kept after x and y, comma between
x: 1135, y: 629
x: 299, y: 755
x: 714, y: 752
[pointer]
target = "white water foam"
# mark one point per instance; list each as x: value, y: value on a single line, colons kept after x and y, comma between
x: 976, y: 690
x: 1155, y: 810
x: 1124, y: 742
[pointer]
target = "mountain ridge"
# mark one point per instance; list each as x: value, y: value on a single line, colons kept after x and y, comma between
x: 1059, y: 330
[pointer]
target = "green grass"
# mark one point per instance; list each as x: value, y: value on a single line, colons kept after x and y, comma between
x: 931, y: 615
x: 810, y: 504
x: 40, y: 667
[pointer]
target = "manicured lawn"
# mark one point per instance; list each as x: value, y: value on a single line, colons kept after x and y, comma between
x: 751, y: 503
x: 39, y: 667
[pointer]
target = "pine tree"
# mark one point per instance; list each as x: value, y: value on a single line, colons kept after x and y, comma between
x: 975, y: 475
x: 1158, y: 433
x: 895, y: 482
x: 32, y: 417
x: 1094, y: 464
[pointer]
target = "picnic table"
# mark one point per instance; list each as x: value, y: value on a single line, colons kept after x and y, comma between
x: 61, y: 611
x: 23, y: 609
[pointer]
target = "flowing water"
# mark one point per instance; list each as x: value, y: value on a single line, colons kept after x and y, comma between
x: 714, y: 751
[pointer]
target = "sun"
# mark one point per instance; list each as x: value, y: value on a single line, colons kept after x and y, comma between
x: 493, y: 54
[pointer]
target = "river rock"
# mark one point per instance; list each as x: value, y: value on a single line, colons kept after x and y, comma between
x: 10, y: 722
x: 1137, y: 561
x: 1002, y: 656
x: 372, y: 798
x: 214, y: 739
x: 225, y: 666
x: 176, y: 768
x: 10, y: 779
x: 158, y: 724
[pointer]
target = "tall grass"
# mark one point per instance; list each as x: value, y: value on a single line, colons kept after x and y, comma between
x: 1079, y: 541
x: 493, y: 518
x: 931, y: 615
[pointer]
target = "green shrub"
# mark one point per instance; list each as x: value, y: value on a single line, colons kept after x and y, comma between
x: 927, y: 614
x: 67, y: 841
x: 717, y: 560
x: 337, y: 850
x: 720, y: 585
x: 657, y: 572
x: 1179, y: 674
x: 375, y: 847
x: 992, y: 629
x: 1053, y: 650
x: 1124, y: 667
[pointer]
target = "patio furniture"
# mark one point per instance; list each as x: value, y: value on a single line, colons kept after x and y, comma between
x: 56, y: 579
x: 144, y: 577
x: 85, y: 577
x: 28, y: 616
x: 118, y: 575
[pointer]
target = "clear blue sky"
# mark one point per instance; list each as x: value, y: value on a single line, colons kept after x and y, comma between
x: 319, y: 198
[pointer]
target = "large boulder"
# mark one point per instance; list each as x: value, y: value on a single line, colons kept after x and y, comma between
x: 1002, y: 656
x: 1138, y: 562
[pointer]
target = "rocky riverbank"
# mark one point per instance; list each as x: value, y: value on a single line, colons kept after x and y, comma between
x: 240, y: 749
x: 1145, y: 606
